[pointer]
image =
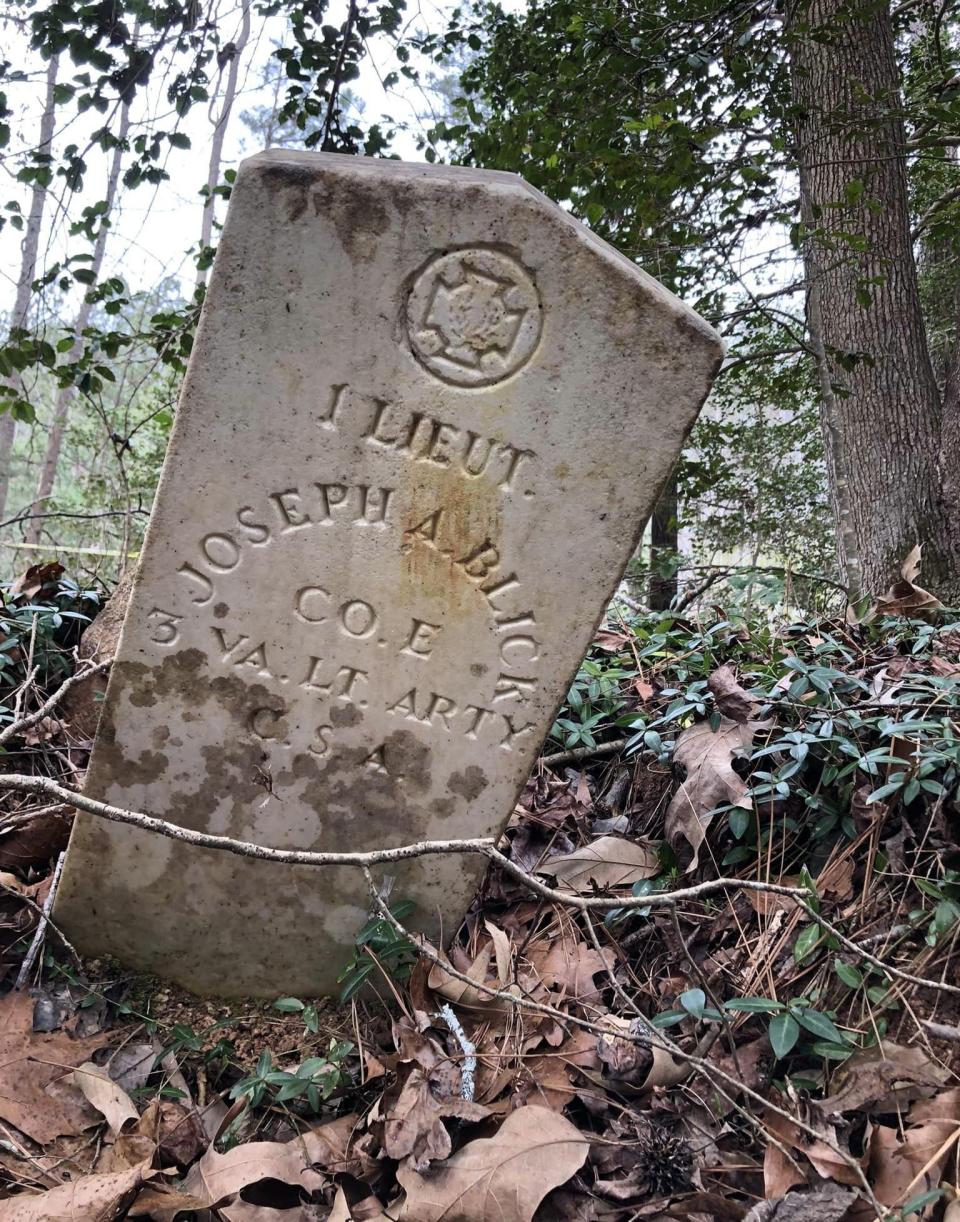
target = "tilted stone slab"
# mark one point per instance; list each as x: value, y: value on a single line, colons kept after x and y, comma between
x: 426, y: 417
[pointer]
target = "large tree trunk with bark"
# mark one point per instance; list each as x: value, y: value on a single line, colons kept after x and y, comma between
x: 881, y: 403
x: 27, y: 275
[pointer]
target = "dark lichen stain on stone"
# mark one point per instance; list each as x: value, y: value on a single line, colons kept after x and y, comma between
x: 360, y: 800
x: 443, y: 807
x: 220, y: 610
x: 478, y: 669
x: 347, y: 715
x: 182, y: 687
x: 468, y: 784
x: 357, y: 212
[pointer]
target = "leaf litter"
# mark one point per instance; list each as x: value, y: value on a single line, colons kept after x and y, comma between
x: 798, y: 1082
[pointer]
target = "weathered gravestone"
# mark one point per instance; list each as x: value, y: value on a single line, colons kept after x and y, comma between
x: 426, y: 417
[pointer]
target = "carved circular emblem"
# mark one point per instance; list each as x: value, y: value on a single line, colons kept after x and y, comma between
x: 474, y: 317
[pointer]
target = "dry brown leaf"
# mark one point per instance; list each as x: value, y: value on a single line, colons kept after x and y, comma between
x: 501, y: 947
x: 555, y: 1077
x: 501, y: 1178
x: 467, y: 996
x: 643, y: 689
x: 113, y: 1103
x: 825, y: 1154
x: 780, y: 1173
x: 367, y: 1210
x: 414, y: 1128
x: 882, y: 1079
x: 710, y: 781
x: 35, y: 578
x: 33, y: 1096
x: 905, y: 597
x: 218, y: 1177
x: 901, y: 1169
x: 571, y: 966
x: 93, y: 1198
x: 829, y: 1204
x: 604, y: 863
x: 731, y: 699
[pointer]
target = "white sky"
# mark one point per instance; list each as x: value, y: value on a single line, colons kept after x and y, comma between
x: 154, y: 225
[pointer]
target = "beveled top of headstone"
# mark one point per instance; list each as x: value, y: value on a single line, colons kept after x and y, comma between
x: 426, y: 418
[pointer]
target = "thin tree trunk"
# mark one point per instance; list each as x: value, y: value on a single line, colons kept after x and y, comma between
x: 664, y: 537
x: 28, y: 272
x: 219, y: 134
x: 881, y: 399
x: 51, y: 457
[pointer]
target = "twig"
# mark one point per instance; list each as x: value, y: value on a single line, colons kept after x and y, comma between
x: 941, y: 1031
x: 24, y: 723
x: 26, y: 967
x: 483, y: 847
x: 575, y: 754
x: 468, y: 1069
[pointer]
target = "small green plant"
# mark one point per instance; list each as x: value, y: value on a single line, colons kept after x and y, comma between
x: 378, y: 944
x: 592, y: 703
x: 314, y: 1081
x: 789, y: 1020
x: 306, y: 1010
x: 41, y: 618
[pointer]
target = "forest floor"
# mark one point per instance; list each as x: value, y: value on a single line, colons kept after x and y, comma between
x: 755, y: 1015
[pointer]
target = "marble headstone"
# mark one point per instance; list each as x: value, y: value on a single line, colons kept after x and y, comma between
x: 426, y: 418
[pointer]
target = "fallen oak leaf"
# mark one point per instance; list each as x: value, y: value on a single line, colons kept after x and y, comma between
x: 707, y: 756
x: 604, y: 863
x: 729, y: 696
x: 33, y: 1097
x: 217, y: 1178
x: 92, y: 1198
x: 110, y: 1100
x: 882, y: 1079
x: 902, y: 1169
x: 501, y: 1178
x: 414, y: 1128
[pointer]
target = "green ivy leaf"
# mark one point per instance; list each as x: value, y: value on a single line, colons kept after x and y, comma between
x: 806, y: 942
x: 818, y: 1024
x: 784, y: 1031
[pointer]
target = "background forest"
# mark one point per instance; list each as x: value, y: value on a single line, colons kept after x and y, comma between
x: 735, y: 999
x: 680, y: 133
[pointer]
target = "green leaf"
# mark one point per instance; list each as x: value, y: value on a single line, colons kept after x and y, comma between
x: 806, y: 942
x: 693, y: 1001
x: 739, y: 820
x: 818, y: 1024
x: 916, y: 1204
x: 292, y: 1090
x: 784, y: 1032
x: 754, y: 1005
x: 850, y: 976
x: 288, y: 1005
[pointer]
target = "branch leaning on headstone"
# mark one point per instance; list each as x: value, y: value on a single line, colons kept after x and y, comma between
x: 485, y: 847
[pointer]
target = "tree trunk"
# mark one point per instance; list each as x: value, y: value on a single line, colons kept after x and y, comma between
x: 28, y: 272
x: 51, y: 457
x: 664, y: 536
x: 881, y: 401
x: 219, y: 133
